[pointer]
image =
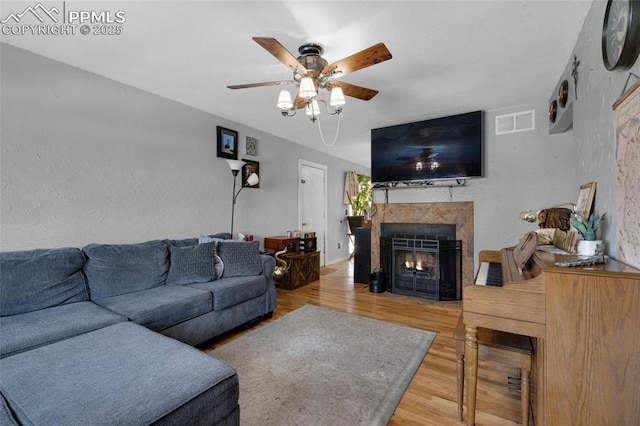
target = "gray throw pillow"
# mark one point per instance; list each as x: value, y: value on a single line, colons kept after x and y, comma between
x: 192, y: 264
x: 241, y: 258
x: 218, y: 266
x: 114, y: 269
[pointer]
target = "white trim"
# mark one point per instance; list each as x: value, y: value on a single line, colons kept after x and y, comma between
x: 324, y: 169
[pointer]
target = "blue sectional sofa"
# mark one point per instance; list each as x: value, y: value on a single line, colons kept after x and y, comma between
x: 104, y: 334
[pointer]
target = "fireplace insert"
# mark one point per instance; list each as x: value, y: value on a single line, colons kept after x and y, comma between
x: 423, y: 266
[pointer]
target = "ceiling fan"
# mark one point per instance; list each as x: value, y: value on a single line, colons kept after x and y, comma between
x: 311, y: 68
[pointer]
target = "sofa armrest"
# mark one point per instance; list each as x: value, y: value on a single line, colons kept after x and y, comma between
x: 268, y: 264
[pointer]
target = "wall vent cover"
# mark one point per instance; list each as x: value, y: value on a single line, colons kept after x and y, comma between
x: 516, y: 122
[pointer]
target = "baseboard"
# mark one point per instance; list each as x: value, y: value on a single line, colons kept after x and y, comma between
x: 342, y: 259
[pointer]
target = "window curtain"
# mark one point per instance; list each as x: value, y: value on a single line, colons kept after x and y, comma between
x: 351, y: 186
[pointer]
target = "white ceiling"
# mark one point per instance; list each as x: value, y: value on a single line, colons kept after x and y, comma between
x: 448, y: 56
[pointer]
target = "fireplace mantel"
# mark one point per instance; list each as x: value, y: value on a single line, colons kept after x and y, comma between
x: 458, y: 213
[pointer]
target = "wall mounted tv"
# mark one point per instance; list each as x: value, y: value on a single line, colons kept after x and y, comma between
x: 440, y: 148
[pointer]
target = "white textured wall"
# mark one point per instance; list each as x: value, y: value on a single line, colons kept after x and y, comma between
x: 523, y: 171
x: 594, y: 130
x: 86, y: 159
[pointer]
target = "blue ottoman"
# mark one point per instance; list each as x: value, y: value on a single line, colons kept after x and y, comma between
x: 123, y: 374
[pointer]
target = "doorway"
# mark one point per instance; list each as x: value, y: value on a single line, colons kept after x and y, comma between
x: 312, y: 191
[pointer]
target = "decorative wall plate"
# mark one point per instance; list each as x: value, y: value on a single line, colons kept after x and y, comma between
x: 553, y: 111
x: 563, y: 93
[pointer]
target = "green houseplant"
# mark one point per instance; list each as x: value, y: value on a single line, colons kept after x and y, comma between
x: 588, y: 229
x: 360, y: 202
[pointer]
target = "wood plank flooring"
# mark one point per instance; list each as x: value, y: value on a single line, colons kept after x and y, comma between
x: 431, y: 397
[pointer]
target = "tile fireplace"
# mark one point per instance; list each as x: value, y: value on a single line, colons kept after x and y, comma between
x: 456, y: 216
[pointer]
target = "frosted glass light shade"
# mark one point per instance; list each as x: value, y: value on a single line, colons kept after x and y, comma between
x: 307, y: 88
x: 284, y: 100
x: 313, y: 108
x: 235, y: 165
x: 253, y: 179
x: 337, y: 97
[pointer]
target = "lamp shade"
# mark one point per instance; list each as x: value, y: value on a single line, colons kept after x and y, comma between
x: 313, y: 108
x: 337, y: 97
x: 253, y: 179
x: 235, y: 165
x: 307, y: 88
x: 284, y: 100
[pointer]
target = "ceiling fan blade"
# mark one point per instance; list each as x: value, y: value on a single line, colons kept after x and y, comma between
x: 365, y: 58
x: 274, y: 47
x: 266, y: 83
x: 354, y: 91
x: 299, y: 103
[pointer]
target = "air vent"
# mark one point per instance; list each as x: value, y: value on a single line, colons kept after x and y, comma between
x: 517, y: 122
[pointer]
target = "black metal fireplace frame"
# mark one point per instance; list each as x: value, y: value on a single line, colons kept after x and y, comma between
x: 448, y: 285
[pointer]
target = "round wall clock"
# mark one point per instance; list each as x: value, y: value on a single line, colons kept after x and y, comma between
x: 621, y: 34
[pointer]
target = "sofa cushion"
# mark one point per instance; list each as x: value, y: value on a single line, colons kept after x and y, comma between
x: 240, y: 258
x: 231, y: 291
x: 161, y: 307
x: 181, y: 243
x: 192, y: 264
x: 123, y: 374
x: 6, y: 417
x: 37, y: 279
x: 114, y: 269
x: 30, y: 330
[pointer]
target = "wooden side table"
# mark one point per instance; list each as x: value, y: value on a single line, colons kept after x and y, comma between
x: 305, y: 268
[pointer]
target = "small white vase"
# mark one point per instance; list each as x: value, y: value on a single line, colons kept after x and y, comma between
x: 587, y: 248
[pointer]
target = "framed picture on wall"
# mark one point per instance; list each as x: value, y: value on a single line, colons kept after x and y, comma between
x: 251, y: 146
x: 249, y: 168
x: 227, y: 143
x: 585, y: 199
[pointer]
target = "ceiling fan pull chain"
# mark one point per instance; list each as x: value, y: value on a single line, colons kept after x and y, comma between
x: 337, y: 131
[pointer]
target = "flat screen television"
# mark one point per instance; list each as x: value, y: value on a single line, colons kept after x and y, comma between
x: 440, y: 148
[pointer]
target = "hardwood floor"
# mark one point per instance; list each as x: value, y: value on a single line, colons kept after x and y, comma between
x: 431, y: 397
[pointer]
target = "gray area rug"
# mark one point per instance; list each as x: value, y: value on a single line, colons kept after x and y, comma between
x: 318, y: 366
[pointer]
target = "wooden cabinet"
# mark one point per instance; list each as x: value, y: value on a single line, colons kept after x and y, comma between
x: 305, y: 268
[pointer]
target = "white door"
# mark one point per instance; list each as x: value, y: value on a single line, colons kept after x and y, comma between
x: 312, y: 190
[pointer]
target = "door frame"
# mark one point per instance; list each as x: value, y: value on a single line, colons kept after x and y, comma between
x: 324, y: 168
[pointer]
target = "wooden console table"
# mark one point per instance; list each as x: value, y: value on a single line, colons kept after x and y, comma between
x: 305, y: 268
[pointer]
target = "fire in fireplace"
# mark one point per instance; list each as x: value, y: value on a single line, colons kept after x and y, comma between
x: 425, y: 262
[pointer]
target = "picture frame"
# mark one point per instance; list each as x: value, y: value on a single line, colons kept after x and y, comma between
x: 250, y: 166
x: 251, y: 146
x: 227, y: 143
x: 585, y: 199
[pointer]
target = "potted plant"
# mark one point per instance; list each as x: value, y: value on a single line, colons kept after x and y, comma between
x: 587, y: 228
x: 360, y: 203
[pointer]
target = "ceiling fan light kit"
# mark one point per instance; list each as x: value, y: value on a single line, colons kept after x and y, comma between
x: 284, y: 101
x: 311, y: 72
x: 307, y: 88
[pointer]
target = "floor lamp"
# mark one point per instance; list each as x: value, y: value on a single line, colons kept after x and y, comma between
x: 252, y: 180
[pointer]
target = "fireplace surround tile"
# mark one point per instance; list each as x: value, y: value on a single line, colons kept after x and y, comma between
x: 457, y: 213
